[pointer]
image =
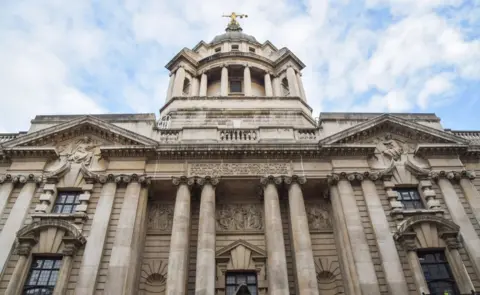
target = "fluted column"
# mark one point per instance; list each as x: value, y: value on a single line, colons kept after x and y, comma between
x: 178, y: 84
x: 352, y: 283
x: 178, y: 258
x: 460, y: 217
x: 92, y: 257
x: 292, y: 82
x: 304, y: 264
x: 195, y: 86
x: 301, y: 89
x: 203, y: 85
x: 277, y: 89
x: 361, y: 251
x: 390, y: 260
x: 268, y: 85
x: 224, y: 82
x: 17, y: 215
x: 170, y: 86
x: 124, y: 248
x: 277, y: 262
x: 470, y: 192
x: 205, y: 271
x: 247, y: 81
x: 23, y: 250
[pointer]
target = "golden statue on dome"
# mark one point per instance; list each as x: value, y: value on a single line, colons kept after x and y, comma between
x: 233, y: 25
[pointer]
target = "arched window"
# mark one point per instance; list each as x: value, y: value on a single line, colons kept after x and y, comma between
x: 186, y: 87
x: 285, y: 87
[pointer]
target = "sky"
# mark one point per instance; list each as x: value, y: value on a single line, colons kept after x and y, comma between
x: 109, y: 56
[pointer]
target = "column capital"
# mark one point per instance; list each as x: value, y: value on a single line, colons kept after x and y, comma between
x: 453, y: 175
x: 25, y: 245
x: 294, y: 179
x: 451, y: 240
x: 130, y: 178
x: 407, y: 240
x: 189, y: 181
x: 21, y: 178
x: 207, y: 180
x: 246, y: 65
x: 271, y: 180
x: 71, y: 246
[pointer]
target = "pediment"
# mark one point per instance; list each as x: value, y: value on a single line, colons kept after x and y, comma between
x: 389, y: 127
x: 88, y: 128
x: 255, y: 251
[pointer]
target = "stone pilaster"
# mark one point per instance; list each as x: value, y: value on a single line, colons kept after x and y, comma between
x: 71, y: 247
x: 96, y: 240
x: 6, y: 188
x: 304, y: 264
x: 178, y: 258
x: 203, y: 85
x: 224, y: 81
x: 123, y: 251
x: 361, y: 252
x: 277, y: 263
x: 390, y: 260
x: 247, y: 81
x: 17, y: 215
x: 471, y: 193
x: 292, y: 82
x: 195, y: 86
x: 460, y: 217
x: 205, y: 271
x: 268, y: 85
x: 277, y: 89
x: 301, y: 89
x: 179, y: 80
x: 409, y: 245
x: 460, y: 273
x: 23, y: 250
x: 170, y: 86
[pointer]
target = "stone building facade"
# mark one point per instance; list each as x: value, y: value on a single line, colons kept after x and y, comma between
x: 237, y: 189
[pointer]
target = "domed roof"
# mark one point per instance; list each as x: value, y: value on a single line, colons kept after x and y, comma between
x: 233, y: 36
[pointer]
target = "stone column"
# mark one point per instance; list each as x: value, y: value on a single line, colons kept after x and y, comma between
x: 178, y: 84
x: 203, y: 85
x: 277, y: 89
x: 292, y: 82
x: 350, y: 275
x: 123, y: 250
x: 178, y: 258
x: 96, y: 240
x: 460, y: 217
x: 300, y: 87
x: 277, y: 262
x: 205, y: 271
x: 361, y: 251
x: 302, y: 244
x: 460, y: 273
x: 195, y: 86
x: 268, y: 85
x: 17, y: 216
x: 470, y: 193
x: 23, y: 251
x: 390, y: 260
x: 6, y: 189
x: 70, y: 249
x: 247, y: 81
x: 170, y: 86
x: 224, y: 81
x: 408, y: 243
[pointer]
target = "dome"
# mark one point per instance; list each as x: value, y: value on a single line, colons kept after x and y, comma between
x: 233, y: 36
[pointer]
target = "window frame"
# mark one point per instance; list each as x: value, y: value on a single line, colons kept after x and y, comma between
x: 235, y: 47
x: 444, y: 262
x: 235, y: 79
x: 252, y: 49
x: 218, y: 49
x: 27, y: 287
x: 76, y: 201
x: 236, y: 273
x: 412, y: 203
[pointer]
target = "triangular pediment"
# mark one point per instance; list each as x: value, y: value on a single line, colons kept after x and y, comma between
x: 94, y: 128
x: 369, y: 131
x: 255, y: 251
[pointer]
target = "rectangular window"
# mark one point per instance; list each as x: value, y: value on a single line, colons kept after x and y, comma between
x: 437, y: 273
x: 410, y: 198
x: 235, y: 47
x: 66, y: 202
x: 234, y: 280
x: 218, y: 49
x: 43, y: 276
x: 235, y: 86
x: 251, y: 49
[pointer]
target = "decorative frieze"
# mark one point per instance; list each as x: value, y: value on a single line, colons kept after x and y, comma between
x: 239, y: 217
x: 160, y: 217
x: 318, y: 217
x: 238, y: 169
x: 20, y: 178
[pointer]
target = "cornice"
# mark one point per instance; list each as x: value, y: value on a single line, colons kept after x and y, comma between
x: 30, y: 152
x: 441, y: 149
x: 127, y: 151
x: 20, y: 178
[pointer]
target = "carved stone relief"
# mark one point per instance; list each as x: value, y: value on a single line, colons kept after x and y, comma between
x: 239, y: 217
x: 235, y: 169
x: 393, y: 148
x: 160, y: 217
x: 318, y: 217
x: 79, y: 151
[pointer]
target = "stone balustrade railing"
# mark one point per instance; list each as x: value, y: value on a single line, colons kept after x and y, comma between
x: 170, y: 135
x: 473, y: 136
x: 238, y: 135
x: 306, y: 134
x: 7, y: 136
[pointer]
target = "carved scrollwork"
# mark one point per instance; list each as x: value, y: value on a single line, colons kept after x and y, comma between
x: 21, y: 178
x: 239, y: 217
x: 208, y: 179
x: 294, y: 179
x: 160, y: 217
x: 318, y: 217
x: 271, y: 180
x: 183, y: 180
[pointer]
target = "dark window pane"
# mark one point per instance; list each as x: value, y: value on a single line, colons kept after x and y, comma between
x: 235, y: 86
x: 43, y: 276
x: 437, y: 273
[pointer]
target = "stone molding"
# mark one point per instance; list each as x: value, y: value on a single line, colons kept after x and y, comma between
x: 453, y: 175
x: 21, y: 178
x: 207, y: 180
x: 189, y: 181
x: 294, y: 179
x: 25, y: 245
x: 275, y: 180
x: 30, y: 152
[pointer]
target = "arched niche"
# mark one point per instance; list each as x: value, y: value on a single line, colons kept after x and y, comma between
x: 328, y: 276
x: 241, y: 255
x: 153, y: 279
